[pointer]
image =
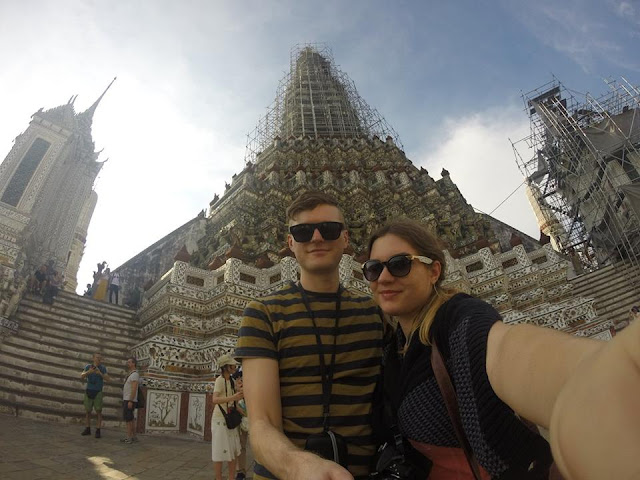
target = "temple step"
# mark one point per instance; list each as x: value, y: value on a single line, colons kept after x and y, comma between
x: 612, y: 289
x: 40, y: 365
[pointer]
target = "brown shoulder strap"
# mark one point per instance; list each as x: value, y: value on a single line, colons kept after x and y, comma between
x: 451, y: 402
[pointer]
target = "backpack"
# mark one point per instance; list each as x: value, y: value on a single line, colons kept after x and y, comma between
x: 141, y: 399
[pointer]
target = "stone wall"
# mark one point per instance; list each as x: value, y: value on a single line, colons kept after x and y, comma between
x: 148, y: 266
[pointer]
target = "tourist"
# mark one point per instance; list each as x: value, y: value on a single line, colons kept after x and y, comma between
x: 553, y: 379
x: 241, y: 466
x: 89, y: 291
x: 52, y: 286
x: 97, y: 275
x: 288, y: 384
x: 130, y: 400
x: 102, y: 285
x: 95, y: 375
x: 114, y: 286
x: 225, y: 442
x: 38, y: 280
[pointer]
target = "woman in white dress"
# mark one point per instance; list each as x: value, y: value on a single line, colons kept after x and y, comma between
x: 225, y: 443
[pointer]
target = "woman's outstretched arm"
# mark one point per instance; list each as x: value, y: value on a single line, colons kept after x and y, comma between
x: 585, y: 391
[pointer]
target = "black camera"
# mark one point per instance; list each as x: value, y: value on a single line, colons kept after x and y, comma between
x: 400, y: 461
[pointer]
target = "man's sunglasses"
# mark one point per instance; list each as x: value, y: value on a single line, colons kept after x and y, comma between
x: 303, y: 232
x: 398, y: 266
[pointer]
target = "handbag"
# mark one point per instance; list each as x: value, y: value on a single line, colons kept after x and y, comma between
x: 92, y: 393
x: 232, y: 417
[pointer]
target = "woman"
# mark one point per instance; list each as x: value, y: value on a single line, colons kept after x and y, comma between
x: 102, y: 285
x: 225, y: 443
x: 555, y: 380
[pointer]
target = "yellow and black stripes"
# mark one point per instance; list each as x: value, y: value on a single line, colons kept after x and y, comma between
x: 279, y: 327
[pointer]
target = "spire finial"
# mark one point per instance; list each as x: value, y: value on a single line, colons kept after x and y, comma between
x: 90, y: 111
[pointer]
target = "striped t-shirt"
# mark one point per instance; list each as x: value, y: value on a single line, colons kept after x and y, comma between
x: 280, y: 327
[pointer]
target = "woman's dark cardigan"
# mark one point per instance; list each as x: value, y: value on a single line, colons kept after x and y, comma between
x: 503, y: 445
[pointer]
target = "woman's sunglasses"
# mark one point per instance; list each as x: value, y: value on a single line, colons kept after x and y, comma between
x: 303, y: 232
x: 398, y: 266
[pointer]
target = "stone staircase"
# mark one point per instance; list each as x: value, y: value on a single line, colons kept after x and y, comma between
x: 40, y: 366
x: 613, y: 290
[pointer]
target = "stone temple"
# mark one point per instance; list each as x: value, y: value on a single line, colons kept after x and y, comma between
x: 184, y: 295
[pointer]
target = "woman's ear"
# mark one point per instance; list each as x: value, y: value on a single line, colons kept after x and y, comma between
x: 436, y: 271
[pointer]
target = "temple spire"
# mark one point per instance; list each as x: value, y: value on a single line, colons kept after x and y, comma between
x: 90, y: 111
x: 316, y: 100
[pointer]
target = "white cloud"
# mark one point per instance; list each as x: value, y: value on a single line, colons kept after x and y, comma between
x: 162, y: 170
x: 581, y: 30
x: 476, y: 151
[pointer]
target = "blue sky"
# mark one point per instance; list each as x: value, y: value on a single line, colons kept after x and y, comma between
x: 195, y: 76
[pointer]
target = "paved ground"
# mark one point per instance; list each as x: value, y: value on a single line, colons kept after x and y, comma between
x: 32, y: 449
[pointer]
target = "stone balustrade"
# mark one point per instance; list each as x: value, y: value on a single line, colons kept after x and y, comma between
x: 191, y: 316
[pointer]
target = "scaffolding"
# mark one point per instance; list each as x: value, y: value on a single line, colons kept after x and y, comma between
x: 315, y: 99
x: 581, y: 164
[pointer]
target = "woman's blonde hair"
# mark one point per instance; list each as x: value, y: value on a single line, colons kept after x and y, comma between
x: 425, y: 243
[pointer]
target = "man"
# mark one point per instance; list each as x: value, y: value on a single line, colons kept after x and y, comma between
x: 38, y: 280
x: 288, y: 385
x: 114, y: 286
x: 95, y: 374
x: 130, y: 399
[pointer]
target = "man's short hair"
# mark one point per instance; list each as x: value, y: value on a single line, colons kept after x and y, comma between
x: 308, y: 201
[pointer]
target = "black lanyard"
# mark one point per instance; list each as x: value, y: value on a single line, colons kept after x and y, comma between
x: 327, y: 377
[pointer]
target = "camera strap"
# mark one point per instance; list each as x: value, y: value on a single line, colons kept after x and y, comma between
x: 325, y: 373
x: 390, y: 404
x: 226, y: 394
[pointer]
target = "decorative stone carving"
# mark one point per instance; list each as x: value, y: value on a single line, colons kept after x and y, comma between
x: 163, y: 410
x: 196, y: 417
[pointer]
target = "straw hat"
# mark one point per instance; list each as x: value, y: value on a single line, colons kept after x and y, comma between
x: 226, y: 360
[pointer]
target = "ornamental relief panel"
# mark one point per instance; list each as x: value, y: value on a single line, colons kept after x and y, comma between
x: 13, y: 217
x: 487, y: 287
x: 196, y: 420
x: 163, y: 410
x: 162, y: 351
x: 560, y: 291
x: 485, y: 275
x: 528, y: 298
x: 10, y: 252
x: 601, y: 331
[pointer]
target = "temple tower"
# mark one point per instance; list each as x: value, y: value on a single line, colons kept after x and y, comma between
x: 319, y: 134
x: 581, y: 162
x: 46, y: 194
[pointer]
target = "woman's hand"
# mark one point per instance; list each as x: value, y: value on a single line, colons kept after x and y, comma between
x: 595, y: 424
x: 237, y: 396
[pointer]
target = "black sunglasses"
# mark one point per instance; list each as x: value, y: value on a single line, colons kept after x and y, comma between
x: 398, y: 266
x: 303, y: 232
